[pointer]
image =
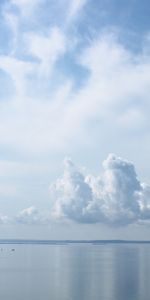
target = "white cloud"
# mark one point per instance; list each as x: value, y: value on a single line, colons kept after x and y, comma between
x: 115, y: 92
x: 116, y: 197
x: 31, y: 216
x: 18, y: 71
x: 12, y: 21
x: 75, y: 7
x: 69, y: 111
x: 47, y: 48
x: 132, y: 119
x: 27, y: 216
x: 73, y: 194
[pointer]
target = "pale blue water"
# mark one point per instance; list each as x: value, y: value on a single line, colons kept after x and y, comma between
x: 75, y: 272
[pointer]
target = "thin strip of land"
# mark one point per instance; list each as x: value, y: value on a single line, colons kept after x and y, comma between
x: 62, y: 242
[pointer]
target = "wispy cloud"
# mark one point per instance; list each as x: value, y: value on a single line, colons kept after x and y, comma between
x: 67, y: 110
x: 75, y: 7
x: 47, y: 49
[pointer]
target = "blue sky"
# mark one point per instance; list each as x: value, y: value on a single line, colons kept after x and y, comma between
x: 74, y: 79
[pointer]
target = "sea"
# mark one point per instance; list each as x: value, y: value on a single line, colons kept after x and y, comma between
x: 74, y: 270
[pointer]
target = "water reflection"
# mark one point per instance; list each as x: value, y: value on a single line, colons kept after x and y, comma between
x: 126, y: 272
x: 75, y: 272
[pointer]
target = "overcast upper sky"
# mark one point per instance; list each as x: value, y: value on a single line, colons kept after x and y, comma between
x: 74, y: 88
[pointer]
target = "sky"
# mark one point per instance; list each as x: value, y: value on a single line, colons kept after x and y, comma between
x: 74, y: 119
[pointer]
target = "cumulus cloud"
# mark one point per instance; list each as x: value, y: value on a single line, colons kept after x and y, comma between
x: 116, y: 197
x: 27, y: 216
x: 73, y: 194
x: 32, y: 216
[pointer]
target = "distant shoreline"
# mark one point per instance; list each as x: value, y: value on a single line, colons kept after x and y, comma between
x: 65, y: 242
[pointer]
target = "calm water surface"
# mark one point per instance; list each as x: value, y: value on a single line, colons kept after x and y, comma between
x: 75, y: 272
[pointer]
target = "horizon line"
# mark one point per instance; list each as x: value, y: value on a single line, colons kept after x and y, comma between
x: 69, y: 241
